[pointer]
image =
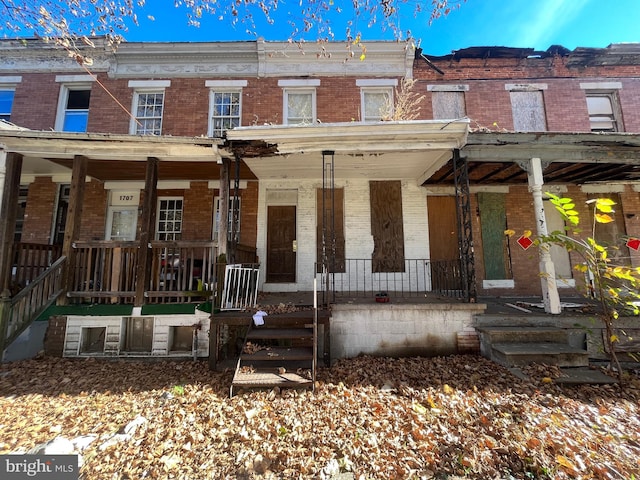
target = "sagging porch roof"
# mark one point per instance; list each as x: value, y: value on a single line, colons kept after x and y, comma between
x: 569, y: 158
x: 114, y: 157
x: 381, y: 150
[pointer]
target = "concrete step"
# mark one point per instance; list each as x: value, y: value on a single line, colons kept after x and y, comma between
x: 520, y: 354
x: 522, y: 334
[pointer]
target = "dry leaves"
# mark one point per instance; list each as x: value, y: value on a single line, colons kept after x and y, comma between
x: 376, y: 417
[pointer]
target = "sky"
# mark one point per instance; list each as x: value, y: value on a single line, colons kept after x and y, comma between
x: 534, y: 24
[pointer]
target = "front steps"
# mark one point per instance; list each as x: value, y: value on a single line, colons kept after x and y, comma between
x: 280, y: 354
x: 520, y: 345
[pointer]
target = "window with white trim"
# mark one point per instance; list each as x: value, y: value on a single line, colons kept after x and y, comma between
x: 6, y: 103
x: 377, y: 103
x: 169, y: 219
x: 233, y: 213
x: 73, y: 108
x: 299, y: 106
x: 604, y: 113
x: 147, y: 110
x: 224, y: 112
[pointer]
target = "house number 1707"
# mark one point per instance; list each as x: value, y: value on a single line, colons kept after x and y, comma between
x: 126, y: 197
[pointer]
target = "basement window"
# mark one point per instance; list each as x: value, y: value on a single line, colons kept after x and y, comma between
x: 138, y: 334
x: 181, y: 339
x: 92, y: 339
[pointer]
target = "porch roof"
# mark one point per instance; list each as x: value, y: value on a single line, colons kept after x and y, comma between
x: 381, y: 150
x: 112, y: 156
x: 575, y: 158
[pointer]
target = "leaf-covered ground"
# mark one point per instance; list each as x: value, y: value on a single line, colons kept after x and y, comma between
x: 378, y: 418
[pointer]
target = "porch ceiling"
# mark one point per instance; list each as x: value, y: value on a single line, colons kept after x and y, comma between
x: 116, y: 157
x: 384, y: 150
x: 574, y: 158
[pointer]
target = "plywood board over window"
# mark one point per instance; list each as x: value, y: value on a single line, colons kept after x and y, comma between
x: 493, y: 220
x: 386, y: 226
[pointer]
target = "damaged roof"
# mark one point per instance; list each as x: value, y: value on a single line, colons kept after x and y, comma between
x: 614, y: 54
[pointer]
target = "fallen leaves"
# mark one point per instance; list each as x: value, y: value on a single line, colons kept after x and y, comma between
x: 375, y: 417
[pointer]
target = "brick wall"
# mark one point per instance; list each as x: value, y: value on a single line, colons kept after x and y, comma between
x: 198, y: 212
x: 36, y: 101
x: 94, y: 212
x: 54, y: 336
x: 38, y: 215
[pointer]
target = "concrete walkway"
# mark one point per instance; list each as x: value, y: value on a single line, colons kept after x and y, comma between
x: 28, y: 344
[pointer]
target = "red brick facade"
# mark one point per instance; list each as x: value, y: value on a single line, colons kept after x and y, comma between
x: 186, y: 113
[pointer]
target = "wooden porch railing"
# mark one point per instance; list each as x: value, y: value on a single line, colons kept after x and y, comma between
x: 181, y: 272
x: 30, y: 260
x: 19, y: 311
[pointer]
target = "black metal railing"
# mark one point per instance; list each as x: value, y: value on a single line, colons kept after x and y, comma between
x: 419, y: 277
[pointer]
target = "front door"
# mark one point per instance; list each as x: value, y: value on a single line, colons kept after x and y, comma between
x: 281, y: 244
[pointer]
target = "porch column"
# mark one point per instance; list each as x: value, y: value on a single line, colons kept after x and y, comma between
x: 74, y: 216
x: 147, y: 229
x: 12, y: 169
x: 550, y: 295
x: 223, y: 227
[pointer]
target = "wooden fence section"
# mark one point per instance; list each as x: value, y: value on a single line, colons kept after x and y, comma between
x: 30, y: 260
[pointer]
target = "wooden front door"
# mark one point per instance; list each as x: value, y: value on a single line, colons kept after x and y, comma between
x: 443, y: 228
x: 281, y: 250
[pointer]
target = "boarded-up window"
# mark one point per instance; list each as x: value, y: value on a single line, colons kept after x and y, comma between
x: 330, y: 230
x: 493, y: 223
x: 448, y: 105
x: 386, y: 226
x: 611, y: 235
x: 528, y: 111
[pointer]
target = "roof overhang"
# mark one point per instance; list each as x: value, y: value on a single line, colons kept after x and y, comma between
x: 570, y: 158
x: 382, y: 150
x: 111, y: 157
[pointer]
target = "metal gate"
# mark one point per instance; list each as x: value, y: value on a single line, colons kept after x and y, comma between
x: 240, y: 287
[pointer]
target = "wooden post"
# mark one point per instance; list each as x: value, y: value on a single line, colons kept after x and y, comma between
x: 9, y: 209
x: 74, y: 216
x: 147, y: 229
x: 5, y: 315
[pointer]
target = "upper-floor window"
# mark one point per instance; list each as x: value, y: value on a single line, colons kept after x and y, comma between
x: 225, y: 105
x: 299, y: 101
x: 73, y: 115
x: 6, y: 103
x: 73, y: 102
x: 448, y: 101
x: 169, y: 227
x: 602, y: 109
x: 603, y: 106
x: 376, y: 98
x: 148, y: 106
x: 527, y: 107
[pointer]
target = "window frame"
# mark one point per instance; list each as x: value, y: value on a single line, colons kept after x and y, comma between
x: 173, y: 232
x: 135, y: 125
x: 216, y: 217
x: 12, y: 89
x: 121, y: 208
x: 616, y: 112
x: 364, y: 91
x: 286, y: 92
x: 223, y: 91
x: 63, y: 107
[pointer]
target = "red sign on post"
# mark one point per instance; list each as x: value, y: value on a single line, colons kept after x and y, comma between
x: 634, y: 243
x: 524, y: 242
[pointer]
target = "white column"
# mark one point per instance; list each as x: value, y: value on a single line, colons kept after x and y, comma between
x: 550, y: 295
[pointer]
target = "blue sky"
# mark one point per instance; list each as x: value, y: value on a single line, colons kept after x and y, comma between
x: 513, y: 23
